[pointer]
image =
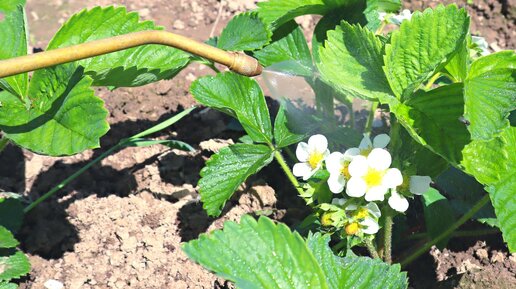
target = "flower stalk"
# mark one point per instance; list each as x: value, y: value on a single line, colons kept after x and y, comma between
x: 388, y: 238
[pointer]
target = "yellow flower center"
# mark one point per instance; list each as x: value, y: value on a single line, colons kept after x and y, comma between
x: 315, y: 159
x: 361, y: 213
x: 365, y: 152
x: 345, y: 171
x: 326, y: 220
x: 373, y: 178
x: 351, y: 229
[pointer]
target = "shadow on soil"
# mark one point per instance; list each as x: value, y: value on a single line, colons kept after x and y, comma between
x: 46, y: 231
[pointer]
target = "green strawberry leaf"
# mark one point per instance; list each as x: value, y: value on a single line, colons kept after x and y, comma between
x: 439, y: 215
x: 464, y: 192
x: 354, y: 272
x: 433, y: 119
x: 240, y: 97
x: 374, y: 7
x: 227, y: 170
x: 65, y: 117
x: 283, y: 135
x: 351, y: 61
x: 489, y: 93
x: 132, y: 67
x: 14, y: 266
x: 289, y: 54
x: 278, y: 12
x: 258, y: 254
x: 493, y: 163
x: 13, y: 36
x: 411, y: 157
x: 422, y: 46
x: 11, y: 213
x: 5, y: 285
x: 7, y: 239
x: 244, y: 32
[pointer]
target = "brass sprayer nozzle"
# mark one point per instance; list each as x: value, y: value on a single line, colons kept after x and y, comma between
x: 236, y: 61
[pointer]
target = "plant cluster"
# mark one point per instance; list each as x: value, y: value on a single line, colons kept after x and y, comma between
x: 451, y: 109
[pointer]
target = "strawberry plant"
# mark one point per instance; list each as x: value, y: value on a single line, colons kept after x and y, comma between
x: 450, y: 109
x: 451, y: 121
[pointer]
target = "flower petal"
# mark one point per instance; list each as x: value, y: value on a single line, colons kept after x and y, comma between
x: 370, y: 226
x: 398, y: 202
x: 318, y: 143
x: 358, y: 166
x: 338, y: 202
x: 392, y: 178
x: 373, y: 209
x: 356, y: 187
x: 419, y: 184
x: 379, y: 159
x: 376, y: 193
x: 334, y: 162
x: 381, y: 141
x: 336, y: 182
x: 366, y: 142
x: 301, y: 170
x: 302, y: 152
x: 351, y: 153
x: 326, y: 154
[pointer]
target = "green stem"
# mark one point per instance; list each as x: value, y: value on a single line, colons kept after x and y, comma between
x: 370, y: 119
x: 420, y: 251
x: 281, y: 161
x: 3, y: 143
x: 371, y: 248
x: 432, y: 80
x: 71, y: 178
x: 387, y: 239
x: 380, y: 29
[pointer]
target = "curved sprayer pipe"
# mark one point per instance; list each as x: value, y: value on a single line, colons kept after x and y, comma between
x: 237, y: 62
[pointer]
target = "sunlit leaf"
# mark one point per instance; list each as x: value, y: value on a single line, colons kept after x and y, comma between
x: 240, y: 97
x: 490, y: 94
x: 227, y: 170
x: 65, y: 117
x: 131, y: 67
x: 258, y: 254
x: 422, y: 46
x: 13, y: 36
x: 244, y: 32
x: 289, y: 54
x: 351, y: 61
x: 354, y: 272
x: 14, y: 266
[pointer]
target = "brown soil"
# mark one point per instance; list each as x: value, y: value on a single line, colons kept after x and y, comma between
x: 121, y: 224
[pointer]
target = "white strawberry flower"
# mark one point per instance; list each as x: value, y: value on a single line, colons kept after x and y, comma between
x: 398, y: 202
x: 418, y: 185
x: 399, y: 18
x: 337, y: 165
x: 366, y: 145
x: 372, y: 177
x: 311, y: 156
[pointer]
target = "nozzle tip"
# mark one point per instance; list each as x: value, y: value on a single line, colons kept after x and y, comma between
x: 246, y: 65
